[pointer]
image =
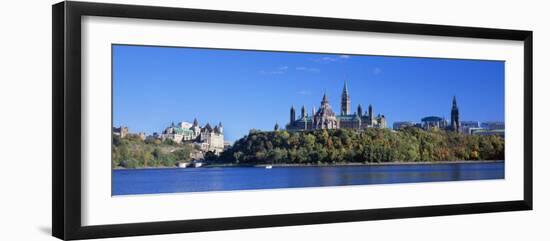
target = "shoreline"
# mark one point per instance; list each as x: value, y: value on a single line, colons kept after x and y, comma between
x: 355, y: 164
x: 379, y: 163
x: 319, y: 165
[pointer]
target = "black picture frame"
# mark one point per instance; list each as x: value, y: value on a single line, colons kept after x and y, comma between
x: 66, y: 75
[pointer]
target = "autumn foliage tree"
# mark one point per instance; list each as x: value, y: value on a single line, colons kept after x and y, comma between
x: 366, y: 146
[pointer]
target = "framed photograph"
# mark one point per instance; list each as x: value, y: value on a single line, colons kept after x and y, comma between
x: 170, y: 120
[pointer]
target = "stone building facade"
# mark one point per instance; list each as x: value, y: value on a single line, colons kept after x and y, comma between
x: 183, y: 131
x: 208, y: 138
x: 120, y: 131
x: 326, y: 118
x: 212, y: 138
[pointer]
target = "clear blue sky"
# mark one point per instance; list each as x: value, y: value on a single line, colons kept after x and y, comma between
x: 154, y: 86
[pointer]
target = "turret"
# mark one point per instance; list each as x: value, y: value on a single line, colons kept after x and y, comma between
x: 208, y: 127
x: 220, y: 127
x: 195, y: 122
x: 217, y: 130
x: 303, y: 112
x: 292, y: 115
x: 196, y: 128
x: 359, y: 110
x: 325, y: 99
x: 313, y: 111
x: 370, y: 115
x: 276, y: 128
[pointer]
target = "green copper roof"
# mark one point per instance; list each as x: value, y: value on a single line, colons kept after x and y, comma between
x: 432, y: 118
x: 182, y: 131
x: 348, y: 117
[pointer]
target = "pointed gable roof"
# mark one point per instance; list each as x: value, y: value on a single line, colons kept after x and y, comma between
x: 208, y: 127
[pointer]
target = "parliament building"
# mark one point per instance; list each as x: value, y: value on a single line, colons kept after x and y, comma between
x: 326, y: 118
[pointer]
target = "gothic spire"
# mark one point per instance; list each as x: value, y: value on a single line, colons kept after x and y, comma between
x: 455, y: 119
x: 345, y: 91
x: 292, y: 114
x: 454, y: 101
x: 325, y: 98
x: 345, y: 103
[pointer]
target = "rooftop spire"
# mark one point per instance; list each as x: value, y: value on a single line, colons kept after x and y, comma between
x: 454, y: 100
x: 345, y: 91
x: 325, y: 98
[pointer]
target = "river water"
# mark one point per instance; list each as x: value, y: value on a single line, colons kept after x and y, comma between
x: 174, y: 180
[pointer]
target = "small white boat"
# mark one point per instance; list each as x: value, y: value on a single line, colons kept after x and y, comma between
x: 182, y: 165
x: 197, y: 164
x: 268, y: 167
